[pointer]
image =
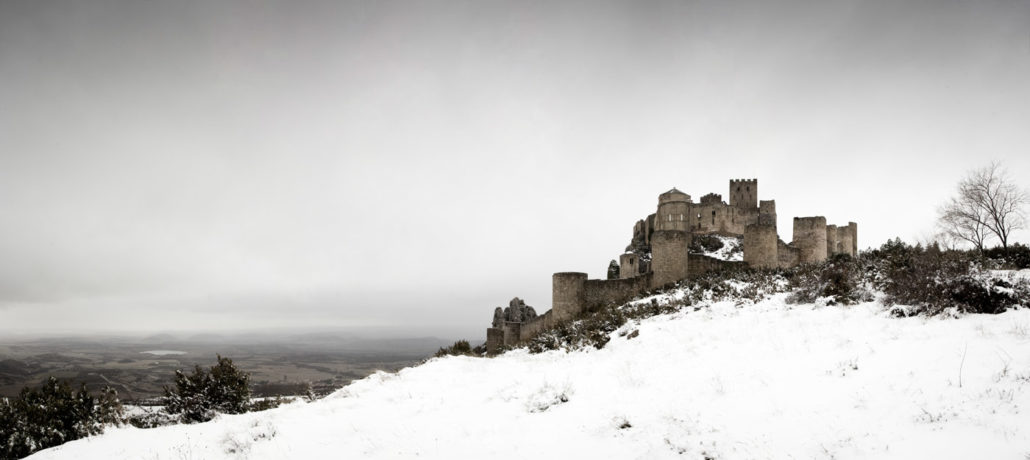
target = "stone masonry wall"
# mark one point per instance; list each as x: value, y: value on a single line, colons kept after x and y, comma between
x: 787, y: 255
x: 566, y: 294
x: 744, y: 193
x: 629, y: 266
x: 760, y: 246
x: 669, y: 256
x: 810, y: 239
x: 599, y: 293
x: 535, y: 326
x: 700, y: 264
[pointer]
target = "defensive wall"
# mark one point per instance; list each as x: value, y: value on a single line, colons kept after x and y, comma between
x: 658, y: 254
x: 701, y: 264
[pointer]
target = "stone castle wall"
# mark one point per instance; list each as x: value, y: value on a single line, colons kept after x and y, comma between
x: 842, y: 240
x: 810, y: 239
x: 760, y: 248
x: 700, y: 264
x: 669, y: 256
x: 787, y: 255
x: 567, y: 294
x: 629, y: 265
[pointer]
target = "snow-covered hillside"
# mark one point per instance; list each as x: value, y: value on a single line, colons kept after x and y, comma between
x: 730, y: 249
x: 767, y: 380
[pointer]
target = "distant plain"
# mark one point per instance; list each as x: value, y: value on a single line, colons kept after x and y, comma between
x: 278, y: 364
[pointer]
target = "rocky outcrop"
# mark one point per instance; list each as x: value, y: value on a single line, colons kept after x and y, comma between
x: 516, y: 312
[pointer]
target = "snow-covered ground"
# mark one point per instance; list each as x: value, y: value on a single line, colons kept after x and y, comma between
x: 768, y: 380
x: 730, y: 249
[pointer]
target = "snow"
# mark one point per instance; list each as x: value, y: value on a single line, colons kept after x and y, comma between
x: 729, y: 250
x: 767, y: 380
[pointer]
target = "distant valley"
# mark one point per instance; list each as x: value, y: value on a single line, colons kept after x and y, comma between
x: 139, y: 368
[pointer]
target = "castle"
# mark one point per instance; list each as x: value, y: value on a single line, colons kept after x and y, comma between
x: 659, y: 254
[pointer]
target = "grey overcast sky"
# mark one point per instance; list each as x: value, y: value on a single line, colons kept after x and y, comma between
x: 182, y: 165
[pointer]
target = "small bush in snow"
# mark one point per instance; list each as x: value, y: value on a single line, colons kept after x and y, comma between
x: 197, y: 397
x: 460, y: 348
x: 54, y: 414
x: 839, y: 280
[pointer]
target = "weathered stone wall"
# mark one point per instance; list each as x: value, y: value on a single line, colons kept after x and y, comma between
x: 787, y: 255
x: 494, y: 340
x: 810, y: 239
x: 720, y: 218
x: 767, y: 212
x: 760, y: 246
x: 629, y: 266
x: 673, y: 211
x: 711, y: 198
x: 832, y: 240
x: 566, y: 294
x: 535, y: 326
x: 512, y: 333
x: 842, y: 240
x: 701, y: 264
x: 669, y: 256
x: 853, y: 231
x: 744, y: 193
x: 599, y: 293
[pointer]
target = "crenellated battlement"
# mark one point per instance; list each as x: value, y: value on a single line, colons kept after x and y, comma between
x: 744, y: 193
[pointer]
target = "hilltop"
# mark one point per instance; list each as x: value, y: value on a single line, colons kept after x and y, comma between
x: 719, y: 378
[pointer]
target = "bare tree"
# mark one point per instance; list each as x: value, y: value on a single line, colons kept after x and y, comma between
x: 962, y: 220
x: 987, y: 203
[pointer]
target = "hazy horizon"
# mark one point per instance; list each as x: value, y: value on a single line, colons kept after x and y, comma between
x: 262, y: 165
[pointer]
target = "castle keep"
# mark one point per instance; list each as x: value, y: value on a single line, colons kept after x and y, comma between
x: 659, y: 254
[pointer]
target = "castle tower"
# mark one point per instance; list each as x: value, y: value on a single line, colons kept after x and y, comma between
x: 767, y: 212
x: 810, y: 239
x: 567, y: 291
x: 670, y: 240
x: 853, y: 232
x: 669, y: 256
x: 760, y: 244
x: 629, y: 265
x: 673, y: 211
x: 744, y: 193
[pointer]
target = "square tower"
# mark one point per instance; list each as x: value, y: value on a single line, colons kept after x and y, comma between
x: 744, y: 193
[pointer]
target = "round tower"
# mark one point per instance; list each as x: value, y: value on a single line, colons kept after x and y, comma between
x: 760, y: 246
x: 673, y: 211
x: 810, y: 239
x: 567, y: 291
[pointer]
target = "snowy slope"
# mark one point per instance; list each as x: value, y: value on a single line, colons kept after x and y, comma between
x: 730, y: 249
x: 759, y: 381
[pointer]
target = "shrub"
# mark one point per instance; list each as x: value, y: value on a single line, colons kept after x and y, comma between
x: 199, y: 396
x: 839, y: 280
x: 460, y: 347
x: 933, y: 281
x: 54, y: 414
x: 705, y: 243
x: 1015, y: 257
